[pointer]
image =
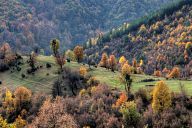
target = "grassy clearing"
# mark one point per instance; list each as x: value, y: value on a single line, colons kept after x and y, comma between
x: 41, y: 82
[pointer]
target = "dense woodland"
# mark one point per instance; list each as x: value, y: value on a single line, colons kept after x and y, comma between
x: 161, y: 47
x: 161, y: 41
x: 79, y: 100
x: 26, y: 24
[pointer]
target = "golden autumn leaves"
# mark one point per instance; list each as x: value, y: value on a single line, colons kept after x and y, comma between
x: 161, y: 98
x: 15, y: 102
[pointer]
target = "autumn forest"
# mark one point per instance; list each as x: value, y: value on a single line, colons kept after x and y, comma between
x: 96, y: 64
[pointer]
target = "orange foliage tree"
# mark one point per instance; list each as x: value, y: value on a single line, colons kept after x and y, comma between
x: 78, y: 51
x: 175, y: 73
x: 104, y: 60
x: 112, y: 62
x: 122, y: 99
x: 157, y: 73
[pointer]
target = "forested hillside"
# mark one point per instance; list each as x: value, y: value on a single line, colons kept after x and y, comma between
x: 163, y: 40
x: 137, y: 75
x: 26, y: 24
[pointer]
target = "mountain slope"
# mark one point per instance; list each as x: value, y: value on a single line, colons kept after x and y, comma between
x: 163, y: 40
x: 35, y: 23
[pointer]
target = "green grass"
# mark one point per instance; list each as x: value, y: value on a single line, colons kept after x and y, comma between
x: 40, y: 82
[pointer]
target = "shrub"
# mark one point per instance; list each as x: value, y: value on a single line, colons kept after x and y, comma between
x: 23, y: 75
x: 48, y: 65
x: 70, y: 83
x: 144, y: 95
x: 130, y: 115
x: 18, y: 69
x: 148, y: 80
x: 3, y: 67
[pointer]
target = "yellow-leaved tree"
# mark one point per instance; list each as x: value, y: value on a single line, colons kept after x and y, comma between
x: 19, y: 122
x: 126, y: 69
x: 3, y: 123
x: 122, y: 60
x: 8, y: 97
x: 126, y: 76
x: 8, y: 101
x: 141, y: 63
x: 161, y: 97
x: 83, y: 71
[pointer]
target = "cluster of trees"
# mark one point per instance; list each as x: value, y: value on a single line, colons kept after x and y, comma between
x: 163, y: 42
x: 18, y: 108
x: 112, y: 63
x: 70, y: 82
x: 77, y: 54
x: 96, y: 106
x: 9, y: 59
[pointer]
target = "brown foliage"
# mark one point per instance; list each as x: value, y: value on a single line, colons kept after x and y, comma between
x: 53, y: 115
x: 22, y: 96
x: 175, y: 73
x: 78, y: 51
x: 112, y: 62
x: 60, y: 60
x: 104, y: 60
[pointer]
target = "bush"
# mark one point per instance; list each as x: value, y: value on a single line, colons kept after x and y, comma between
x: 23, y: 75
x: 68, y: 60
x: 130, y: 115
x: 3, y: 67
x: 70, y: 83
x: 18, y: 69
x: 144, y: 95
x: 48, y: 65
x: 148, y: 80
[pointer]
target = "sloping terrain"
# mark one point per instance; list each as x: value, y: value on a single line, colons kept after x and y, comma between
x: 44, y: 78
x: 162, y: 40
x: 26, y: 24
